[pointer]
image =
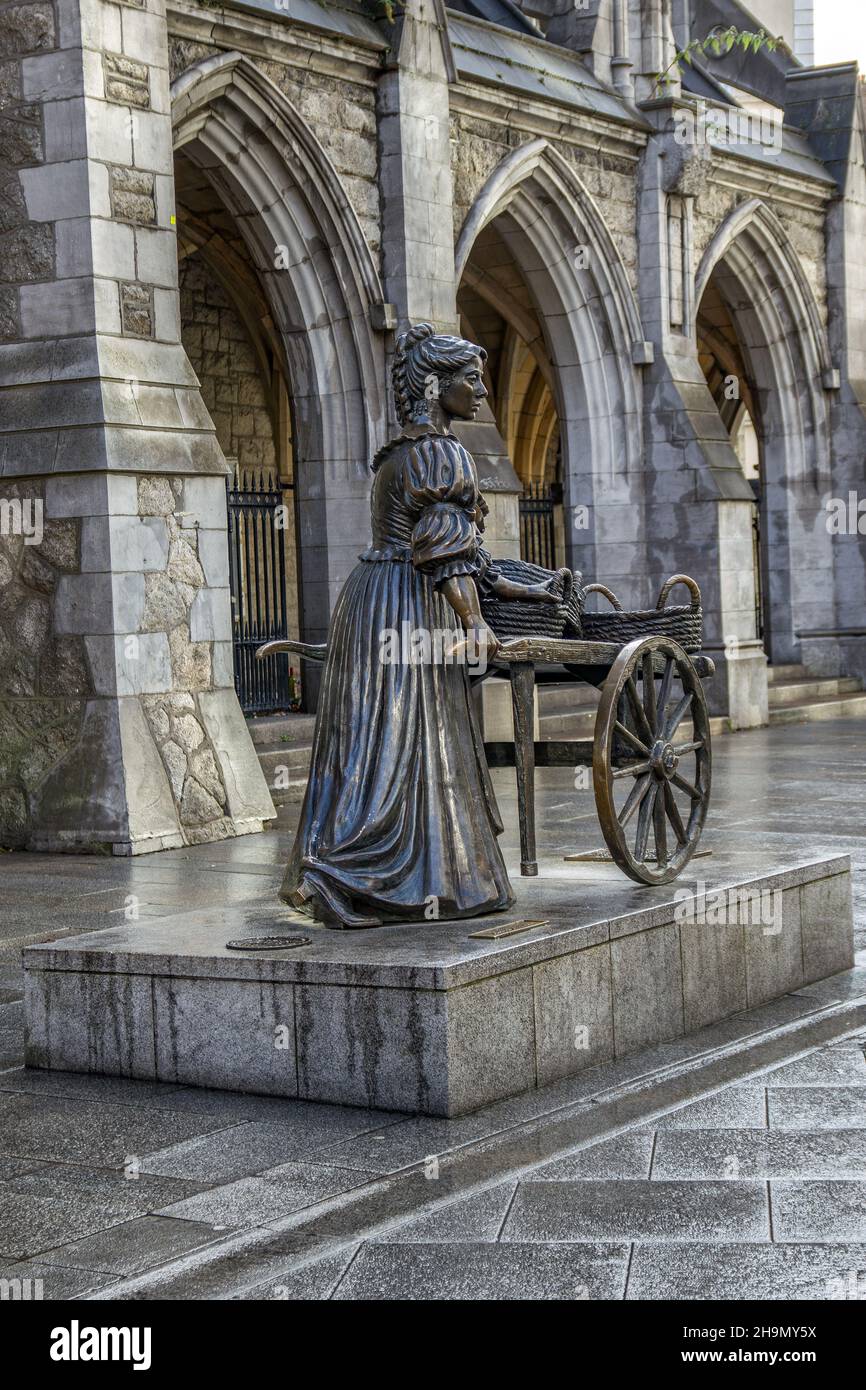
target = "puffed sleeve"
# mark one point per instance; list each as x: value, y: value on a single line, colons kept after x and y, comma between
x: 439, y: 484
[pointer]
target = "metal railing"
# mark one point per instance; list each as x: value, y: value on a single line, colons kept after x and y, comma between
x: 537, y: 527
x: 257, y: 568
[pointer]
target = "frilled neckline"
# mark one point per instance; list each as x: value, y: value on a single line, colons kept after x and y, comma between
x: 405, y: 438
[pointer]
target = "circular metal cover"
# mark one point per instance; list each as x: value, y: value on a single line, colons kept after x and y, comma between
x: 267, y: 943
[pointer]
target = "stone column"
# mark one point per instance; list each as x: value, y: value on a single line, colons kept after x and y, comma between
x: 415, y: 169
x: 418, y: 246
x: 699, y: 504
x: 827, y: 104
x: 119, y: 725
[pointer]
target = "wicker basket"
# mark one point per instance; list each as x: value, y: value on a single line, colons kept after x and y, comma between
x: 684, y: 623
x: 509, y: 618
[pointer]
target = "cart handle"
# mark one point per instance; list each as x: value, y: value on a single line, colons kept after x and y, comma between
x: 307, y: 650
x: 608, y: 594
x: 671, y: 583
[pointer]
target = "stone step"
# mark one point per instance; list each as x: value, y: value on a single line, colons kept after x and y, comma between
x: 292, y: 794
x: 784, y: 673
x: 578, y: 724
x: 284, y: 743
x: 565, y: 698
x: 296, y: 757
x: 812, y: 711
x: 291, y: 755
x: 269, y: 729
x: 285, y: 767
x: 796, y: 692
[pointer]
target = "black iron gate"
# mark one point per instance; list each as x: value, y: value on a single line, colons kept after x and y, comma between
x: 537, y: 531
x: 757, y: 561
x: 257, y: 520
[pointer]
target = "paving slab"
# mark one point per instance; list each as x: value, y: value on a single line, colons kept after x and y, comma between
x: 256, y: 1146
x: 738, y: 1107
x: 827, y: 1210
x: 476, y: 1218
x: 314, y: 1282
x: 816, y: 1107
x: 228, y: 1107
x: 57, y: 1127
x: 32, y: 1223
x: 706, y: 1270
x: 468, y: 1272
x: 743, y: 1153
x: 134, y: 1245
x: 628, y: 1156
x: 123, y: 1192
x: 39, y: 1280
x: 638, y: 1210
x: 110, y: 1090
x: 13, y: 1167
x: 255, y: 1201
x: 843, y: 1064
x: 408, y: 1141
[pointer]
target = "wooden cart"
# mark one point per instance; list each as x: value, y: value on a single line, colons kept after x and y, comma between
x: 650, y: 754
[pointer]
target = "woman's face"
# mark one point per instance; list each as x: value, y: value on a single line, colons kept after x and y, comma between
x: 465, y: 391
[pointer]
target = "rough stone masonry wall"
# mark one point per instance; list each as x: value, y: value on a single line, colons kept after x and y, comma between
x: 171, y: 579
x: 27, y: 248
x: 219, y: 348
x: 804, y: 225
x: 44, y: 675
x: 234, y: 391
x: 479, y: 145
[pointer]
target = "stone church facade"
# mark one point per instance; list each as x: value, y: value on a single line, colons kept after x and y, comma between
x: 213, y: 220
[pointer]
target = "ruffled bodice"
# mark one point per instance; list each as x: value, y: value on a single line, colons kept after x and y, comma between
x: 423, y: 506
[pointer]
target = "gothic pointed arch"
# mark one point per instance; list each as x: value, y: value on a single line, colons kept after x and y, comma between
x: 318, y: 274
x: 753, y: 265
x: 584, y: 301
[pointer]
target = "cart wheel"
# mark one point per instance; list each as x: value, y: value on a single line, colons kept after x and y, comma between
x: 652, y: 760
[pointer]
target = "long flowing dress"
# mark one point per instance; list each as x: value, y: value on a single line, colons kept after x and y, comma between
x: 400, y: 820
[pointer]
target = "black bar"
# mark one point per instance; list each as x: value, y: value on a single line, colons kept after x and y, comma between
x: 257, y: 569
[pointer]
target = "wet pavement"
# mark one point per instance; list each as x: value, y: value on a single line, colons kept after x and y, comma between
x: 730, y: 1164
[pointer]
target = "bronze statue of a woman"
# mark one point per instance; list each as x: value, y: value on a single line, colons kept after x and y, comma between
x: 400, y: 822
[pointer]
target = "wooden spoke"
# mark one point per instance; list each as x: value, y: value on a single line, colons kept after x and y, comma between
x: 644, y: 821
x: 681, y: 748
x: 635, y: 799
x: 660, y: 829
x: 665, y: 691
x: 674, y: 816
x: 638, y: 711
x: 629, y: 737
x: 632, y: 771
x: 685, y: 786
x: 649, y: 692
x: 677, y: 717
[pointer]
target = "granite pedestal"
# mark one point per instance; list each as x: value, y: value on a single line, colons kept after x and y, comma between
x: 432, y: 1019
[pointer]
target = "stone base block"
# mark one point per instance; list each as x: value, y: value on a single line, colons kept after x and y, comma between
x: 430, y: 1018
x: 740, y: 689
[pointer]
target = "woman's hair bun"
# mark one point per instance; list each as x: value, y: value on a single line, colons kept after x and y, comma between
x: 414, y: 335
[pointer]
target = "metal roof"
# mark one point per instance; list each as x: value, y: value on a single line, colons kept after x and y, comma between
x: 532, y: 66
